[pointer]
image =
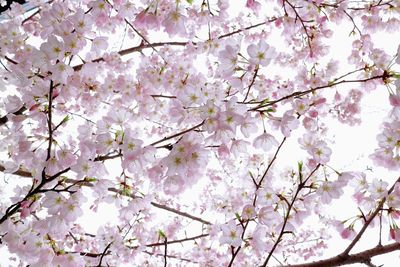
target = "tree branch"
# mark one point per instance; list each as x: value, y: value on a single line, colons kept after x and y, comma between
x: 370, y: 218
x: 285, y: 220
x: 301, y: 93
x: 26, y: 174
x: 360, y: 257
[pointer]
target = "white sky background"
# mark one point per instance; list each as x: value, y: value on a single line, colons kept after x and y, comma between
x: 350, y: 146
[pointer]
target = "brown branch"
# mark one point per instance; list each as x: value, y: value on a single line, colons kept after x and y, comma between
x: 104, y: 254
x: 170, y: 256
x: 88, y: 254
x: 144, y: 39
x: 268, y: 168
x: 360, y: 257
x: 95, y: 255
x: 31, y: 16
x: 177, y: 241
x: 367, y: 223
x: 302, y: 93
x: 258, y: 185
x: 26, y: 174
x: 163, y: 96
x: 15, y: 207
x: 184, y: 214
x: 108, y: 156
x: 247, y: 28
x: 165, y: 252
x: 251, y: 84
x: 177, y: 134
x: 154, y: 45
x: 4, y: 120
x: 302, y: 21
x: 11, y: 60
x: 285, y: 220
x: 354, y: 24
x: 49, y: 120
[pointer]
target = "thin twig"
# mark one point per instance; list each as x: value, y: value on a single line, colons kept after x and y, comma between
x: 360, y: 257
x: 285, y: 220
x: 104, y: 254
x: 370, y: 218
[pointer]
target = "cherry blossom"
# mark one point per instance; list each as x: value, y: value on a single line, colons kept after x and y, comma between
x: 321, y: 152
x: 261, y: 53
x: 378, y: 189
x: 180, y: 133
x: 231, y: 234
x: 265, y: 141
x: 328, y: 191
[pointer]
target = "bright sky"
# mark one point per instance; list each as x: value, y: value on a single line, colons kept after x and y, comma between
x: 350, y: 145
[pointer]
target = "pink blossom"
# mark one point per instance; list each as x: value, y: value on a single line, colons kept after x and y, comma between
x: 174, y: 23
x: 223, y: 151
x: 82, y: 22
x: 13, y: 103
x: 394, y: 100
x: 239, y: 147
x: 268, y: 216
x: 328, y: 191
x: 301, y: 106
x: 378, y: 189
x: 321, y: 152
x: 348, y: 233
x: 248, y: 126
x: 288, y: 124
x: 248, y: 212
x: 231, y: 234
x: 174, y: 185
x: 228, y: 58
x: 99, y: 44
x: 61, y: 72
x: 265, y: 141
x: 261, y: 54
x: 254, y: 5
x: 266, y: 196
x: 359, y: 182
x: 147, y: 20
x: 53, y: 48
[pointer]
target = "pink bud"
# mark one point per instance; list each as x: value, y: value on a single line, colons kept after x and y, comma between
x: 223, y: 151
x: 25, y: 213
x: 319, y: 101
x: 347, y: 233
x: 392, y: 233
x: 338, y: 97
x: 250, y: 3
x: 313, y: 113
x: 394, y: 100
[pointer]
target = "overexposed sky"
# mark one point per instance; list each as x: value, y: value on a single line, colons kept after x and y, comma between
x: 350, y: 145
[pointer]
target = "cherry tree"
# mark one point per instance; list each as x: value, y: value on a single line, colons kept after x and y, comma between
x: 169, y: 118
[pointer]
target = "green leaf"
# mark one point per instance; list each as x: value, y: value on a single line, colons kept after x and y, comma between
x: 189, y: 1
x: 126, y: 191
x: 66, y: 118
x: 162, y: 234
x: 265, y: 101
x: 251, y: 175
x: 300, y: 166
x: 237, y: 216
x: 300, y: 169
x: 90, y: 179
